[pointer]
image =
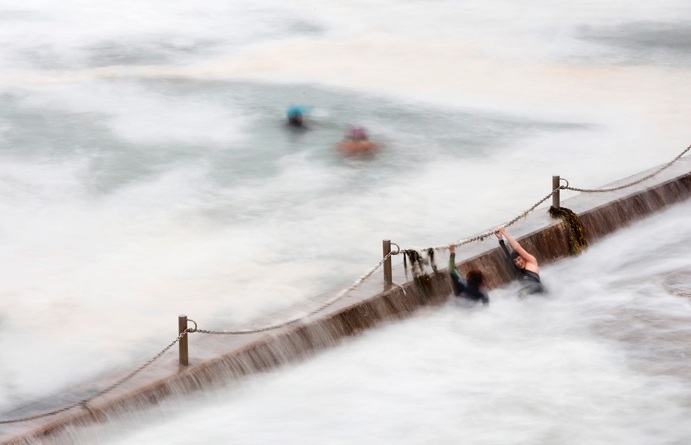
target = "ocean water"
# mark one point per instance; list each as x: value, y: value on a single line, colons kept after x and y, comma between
x: 602, y: 359
x: 146, y: 169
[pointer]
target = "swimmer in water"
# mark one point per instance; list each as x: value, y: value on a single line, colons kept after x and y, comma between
x: 355, y: 143
x: 295, y: 114
x: 471, y: 289
x: 524, y: 264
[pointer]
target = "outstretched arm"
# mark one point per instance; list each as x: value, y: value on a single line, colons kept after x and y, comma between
x: 530, y: 261
x: 507, y: 255
x: 456, y: 281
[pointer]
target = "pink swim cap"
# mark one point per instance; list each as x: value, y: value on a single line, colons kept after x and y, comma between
x: 354, y: 132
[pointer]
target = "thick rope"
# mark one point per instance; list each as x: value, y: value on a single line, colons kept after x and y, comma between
x: 611, y: 189
x: 489, y: 233
x: 84, y: 401
x: 296, y: 319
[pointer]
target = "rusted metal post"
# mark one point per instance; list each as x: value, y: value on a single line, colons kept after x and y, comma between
x: 555, y: 197
x: 386, y: 244
x: 182, y: 325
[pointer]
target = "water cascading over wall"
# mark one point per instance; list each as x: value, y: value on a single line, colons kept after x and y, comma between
x: 218, y: 359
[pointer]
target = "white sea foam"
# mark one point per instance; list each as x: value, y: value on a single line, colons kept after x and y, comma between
x: 602, y: 360
x: 145, y: 170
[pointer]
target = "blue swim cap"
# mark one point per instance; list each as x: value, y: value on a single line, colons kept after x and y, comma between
x: 297, y: 110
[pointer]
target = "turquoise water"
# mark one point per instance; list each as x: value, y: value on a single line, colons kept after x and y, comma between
x: 146, y: 169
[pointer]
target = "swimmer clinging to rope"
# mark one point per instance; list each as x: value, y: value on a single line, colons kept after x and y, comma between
x: 470, y: 290
x: 524, y: 264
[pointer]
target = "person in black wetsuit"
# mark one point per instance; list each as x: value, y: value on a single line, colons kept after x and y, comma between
x: 524, y: 264
x: 471, y: 289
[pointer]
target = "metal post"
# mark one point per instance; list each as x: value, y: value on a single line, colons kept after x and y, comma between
x: 555, y: 197
x: 386, y: 244
x: 182, y: 325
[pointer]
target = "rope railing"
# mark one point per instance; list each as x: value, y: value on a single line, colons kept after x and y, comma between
x: 305, y: 316
x: 482, y: 236
x: 612, y: 189
x: 83, y: 402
